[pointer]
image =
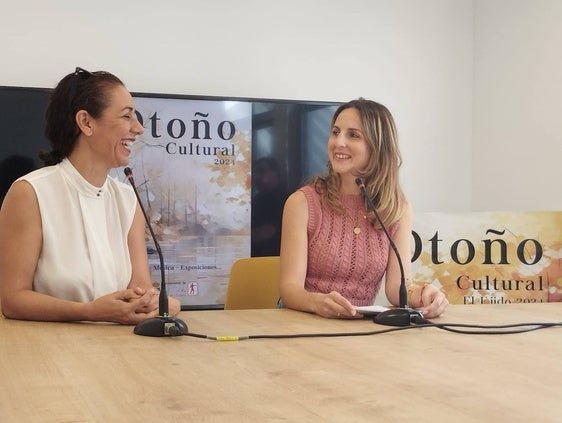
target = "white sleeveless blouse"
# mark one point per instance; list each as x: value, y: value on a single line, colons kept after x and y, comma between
x: 85, y: 253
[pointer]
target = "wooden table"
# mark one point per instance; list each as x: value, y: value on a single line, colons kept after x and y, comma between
x: 84, y: 372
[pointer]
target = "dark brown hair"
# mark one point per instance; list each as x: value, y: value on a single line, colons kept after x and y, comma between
x: 80, y: 90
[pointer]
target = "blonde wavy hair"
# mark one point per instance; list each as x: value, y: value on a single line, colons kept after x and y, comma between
x: 381, y: 175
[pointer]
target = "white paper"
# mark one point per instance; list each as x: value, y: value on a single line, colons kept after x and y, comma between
x: 373, y: 309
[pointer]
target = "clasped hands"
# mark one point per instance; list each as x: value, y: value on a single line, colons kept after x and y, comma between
x: 131, y: 306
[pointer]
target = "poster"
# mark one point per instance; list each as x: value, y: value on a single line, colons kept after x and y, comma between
x: 192, y: 168
x: 490, y: 257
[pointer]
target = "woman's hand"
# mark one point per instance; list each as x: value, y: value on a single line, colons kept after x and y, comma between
x: 174, y: 305
x: 432, y: 301
x: 129, y: 306
x: 333, y: 305
x: 146, y: 306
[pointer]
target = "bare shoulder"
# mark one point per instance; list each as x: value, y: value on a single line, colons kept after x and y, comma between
x: 20, y: 225
x: 21, y: 191
x: 296, y: 204
x: 20, y: 201
x: 295, y: 212
x: 296, y: 199
x: 408, y: 211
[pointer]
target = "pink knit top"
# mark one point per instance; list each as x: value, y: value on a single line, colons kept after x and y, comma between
x: 339, y: 259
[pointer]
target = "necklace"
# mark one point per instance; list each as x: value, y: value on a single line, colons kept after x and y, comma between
x: 356, y: 227
x: 355, y: 210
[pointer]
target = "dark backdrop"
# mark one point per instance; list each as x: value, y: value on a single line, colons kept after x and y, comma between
x: 288, y: 147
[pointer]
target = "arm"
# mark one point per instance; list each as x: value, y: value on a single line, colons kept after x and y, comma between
x: 20, y: 246
x: 141, y: 281
x: 427, y: 297
x: 294, y: 253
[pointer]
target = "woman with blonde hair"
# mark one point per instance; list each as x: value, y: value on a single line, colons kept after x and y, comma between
x: 334, y: 252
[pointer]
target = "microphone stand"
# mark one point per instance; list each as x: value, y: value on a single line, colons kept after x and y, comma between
x: 403, y: 315
x: 164, y: 324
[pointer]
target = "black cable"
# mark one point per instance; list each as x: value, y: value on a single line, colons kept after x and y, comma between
x: 491, y: 330
x: 525, y: 327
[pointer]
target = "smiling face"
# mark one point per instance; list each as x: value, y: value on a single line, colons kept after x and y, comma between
x: 115, y: 130
x: 348, y: 148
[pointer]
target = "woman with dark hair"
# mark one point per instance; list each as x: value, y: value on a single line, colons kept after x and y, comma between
x: 334, y: 252
x: 72, y: 239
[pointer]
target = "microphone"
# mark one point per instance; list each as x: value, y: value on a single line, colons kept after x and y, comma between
x: 162, y: 325
x: 402, y: 316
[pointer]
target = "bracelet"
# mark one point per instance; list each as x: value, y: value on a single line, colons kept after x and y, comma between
x: 421, y: 295
x: 411, y: 288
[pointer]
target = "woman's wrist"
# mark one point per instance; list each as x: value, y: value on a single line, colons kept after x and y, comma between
x: 316, y: 299
x: 415, y: 294
x: 86, y: 311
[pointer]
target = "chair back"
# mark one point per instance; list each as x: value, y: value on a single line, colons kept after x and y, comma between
x: 253, y: 283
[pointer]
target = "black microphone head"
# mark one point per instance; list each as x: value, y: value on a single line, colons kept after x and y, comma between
x: 129, y: 175
x: 361, y: 186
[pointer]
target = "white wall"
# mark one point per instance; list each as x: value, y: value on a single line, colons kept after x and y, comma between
x: 517, y: 161
x: 414, y: 56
